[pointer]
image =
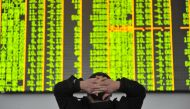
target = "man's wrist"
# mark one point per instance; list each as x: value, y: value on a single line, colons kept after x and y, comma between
x: 82, y: 85
x: 117, y: 85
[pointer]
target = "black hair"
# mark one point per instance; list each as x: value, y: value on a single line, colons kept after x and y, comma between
x: 99, y: 74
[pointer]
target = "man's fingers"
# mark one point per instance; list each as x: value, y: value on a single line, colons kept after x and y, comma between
x: 100, y: 79
x: 104, y: 78
x: 96, y: 92
x: 93, y: 79
x: 99, y: 90
x: 105, y: 96
x: 104, y: 83
x: 98, y: 84
x: 98, y: 87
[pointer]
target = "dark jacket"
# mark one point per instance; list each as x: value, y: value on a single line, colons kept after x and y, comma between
x: 64, y: 90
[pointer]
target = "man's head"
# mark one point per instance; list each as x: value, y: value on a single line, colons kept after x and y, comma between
x: 98, y: 95
x: 100, y: 74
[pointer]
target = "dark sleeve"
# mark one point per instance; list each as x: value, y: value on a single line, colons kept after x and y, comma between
x: 63, y: 91
x: 135, y: 93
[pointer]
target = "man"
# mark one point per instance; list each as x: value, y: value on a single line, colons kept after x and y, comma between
x: 99, y: 88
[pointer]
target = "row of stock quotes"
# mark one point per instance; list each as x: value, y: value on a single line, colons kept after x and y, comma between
x: 43, y: 42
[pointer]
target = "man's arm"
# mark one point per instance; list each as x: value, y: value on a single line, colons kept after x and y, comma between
x: 131, y: 88
x: 135, y: 93
x: 63, y: 91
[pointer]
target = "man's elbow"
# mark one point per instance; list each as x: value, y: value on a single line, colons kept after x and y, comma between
x: 142, y: 91
x: 57, y: 89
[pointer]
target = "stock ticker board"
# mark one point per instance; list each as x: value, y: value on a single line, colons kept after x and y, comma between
x: 43, y: 42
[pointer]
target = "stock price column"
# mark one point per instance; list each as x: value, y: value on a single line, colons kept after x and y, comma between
x: 144, y: 43
x: 12, y: 45
x: 163, y: 45
x: 185, y: 28
x: 54, y: 44
x: 35, y: 46
x: 98, y: 37
x: 121, y: 39
x: 77, y: 17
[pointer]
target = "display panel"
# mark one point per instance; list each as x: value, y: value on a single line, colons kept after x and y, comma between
x: 43, y: 42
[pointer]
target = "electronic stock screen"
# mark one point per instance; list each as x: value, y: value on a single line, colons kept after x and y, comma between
x: 43, y: 42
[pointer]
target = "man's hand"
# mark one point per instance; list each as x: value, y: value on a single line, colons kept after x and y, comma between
x: 109, y: 86
x: 90, y: 85
x: 99, y: 84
